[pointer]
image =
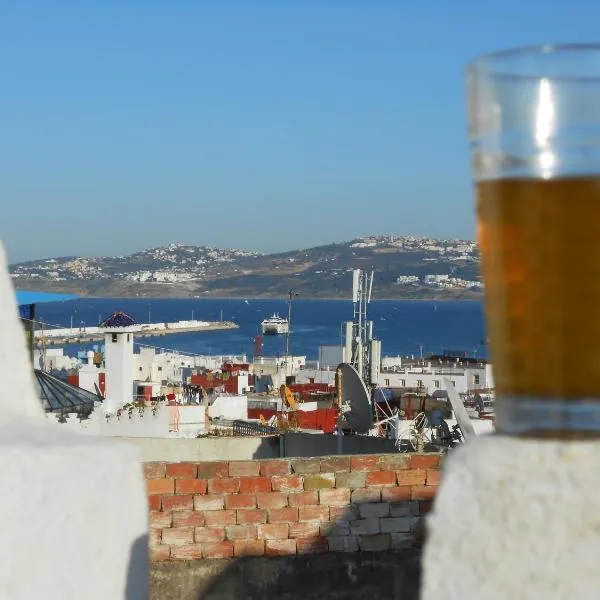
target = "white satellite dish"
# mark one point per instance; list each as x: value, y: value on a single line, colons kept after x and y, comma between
x: 356, y: 396
x: 460, y: 412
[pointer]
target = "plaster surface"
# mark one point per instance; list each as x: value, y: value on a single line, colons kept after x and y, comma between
x: 17, y: 398
x: 73, y: 510
x: 514, y: 519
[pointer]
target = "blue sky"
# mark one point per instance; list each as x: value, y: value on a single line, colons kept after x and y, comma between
x: 257, y: 124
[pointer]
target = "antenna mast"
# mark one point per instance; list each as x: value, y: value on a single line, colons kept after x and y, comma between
x: 362, y: 329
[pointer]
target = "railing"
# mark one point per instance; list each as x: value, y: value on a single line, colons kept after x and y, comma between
x: 252, y: 429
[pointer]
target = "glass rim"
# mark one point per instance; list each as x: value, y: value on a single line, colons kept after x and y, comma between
x: 483, y: 65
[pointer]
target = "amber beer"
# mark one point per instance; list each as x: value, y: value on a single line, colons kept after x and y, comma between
x: 540, y: 243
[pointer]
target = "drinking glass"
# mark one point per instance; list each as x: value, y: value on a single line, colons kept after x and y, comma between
x: 534, y: 130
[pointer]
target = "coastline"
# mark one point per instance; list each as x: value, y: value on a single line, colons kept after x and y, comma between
x: 450, y: 296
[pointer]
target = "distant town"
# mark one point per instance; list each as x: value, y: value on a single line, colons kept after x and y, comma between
x: 404, y: 266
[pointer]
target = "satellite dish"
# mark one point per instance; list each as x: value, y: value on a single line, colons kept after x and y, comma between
x: 460, y: 412
x: 355, y: 394
x: 287, y: 397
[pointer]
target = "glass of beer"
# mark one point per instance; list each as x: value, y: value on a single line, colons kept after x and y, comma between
x: 534, y: 129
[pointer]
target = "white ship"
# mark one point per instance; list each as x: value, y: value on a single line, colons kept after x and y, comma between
x: 275, y: 325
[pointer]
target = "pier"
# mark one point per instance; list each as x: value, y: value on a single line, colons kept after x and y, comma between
x: 84, y: 335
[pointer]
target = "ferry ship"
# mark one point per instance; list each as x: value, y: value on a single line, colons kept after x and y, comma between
x: 275, y: 325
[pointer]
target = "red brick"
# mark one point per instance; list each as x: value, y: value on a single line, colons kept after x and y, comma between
x: 268, y: 468
x: 411, y: 477
x: 158, y: 520
x: 154, y: 537
x: 217, y: 550
x: 425, y: 506
x: 424, y: 461
x: 240, y: 532
x: 283, y: 515
x: 272, y: 500
x: 272, y: 531
x: 253, y: 485
x: 433, y: 478
x: 160, y: 486
x: 248, y: 547
x: 154, y: 470
x: 187, y: 552
x: 280, y: 547
x: 182, y: 470
x: 365, y: 463
x: 337, y: 497
x: 423, y: 492
x: 209, y: 534
x: 306, y: 465
x: 251, y: 516
x: 304, y: 530
x: 335, y: 464
x: 313, y: 513
x: 305, y: 498
x: 362, y: 495
x: 395, y: 494
x: 224, y: 485
x: 244, y: 468
x: 315, y: 545
x: 183, y: 518
x: 219, y: 517
x: 178, y: 536
x: 287, y: 483
x: 209, y: 470
x: 209, y: 502
x: 160, y: 553
x: 235, y: 501
x: 153, y: 502
x: 343, y: 513
x: 395, y: 462
x: 381, y: 478
x: 190, y: 486
x: 177, y: 503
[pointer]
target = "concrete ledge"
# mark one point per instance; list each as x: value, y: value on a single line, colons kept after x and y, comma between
x: 323, y: 576
x: 248, y: 448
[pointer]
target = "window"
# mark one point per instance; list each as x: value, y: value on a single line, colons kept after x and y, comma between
x: 436, y: 383
x: 419, y: 383
x: 141, y: 368
x: 403, y: 383
x: 454, y: 384
x: 311, y: 380
x: 387, y: 382
x: 160, y: 368
x: 128, y: 337
x: 476, y: 379
x: 114, y: 338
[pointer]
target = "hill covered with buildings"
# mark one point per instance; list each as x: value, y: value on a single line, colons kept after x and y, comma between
x: 405, y: 267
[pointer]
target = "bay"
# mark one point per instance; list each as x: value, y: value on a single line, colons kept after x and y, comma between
x: 406, y: 327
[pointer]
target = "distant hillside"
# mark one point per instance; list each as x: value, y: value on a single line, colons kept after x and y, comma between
x: 405, y: 267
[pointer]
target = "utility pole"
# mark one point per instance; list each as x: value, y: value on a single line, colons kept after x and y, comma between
x: 291, y: 294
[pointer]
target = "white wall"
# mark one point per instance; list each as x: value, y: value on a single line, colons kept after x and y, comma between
x: 319, y: 376
x: 119, y: 369
x: 229, y: 407
x: 464, y: 379
x: 89, y: 377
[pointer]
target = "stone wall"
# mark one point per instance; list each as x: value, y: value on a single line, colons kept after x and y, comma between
x: 284, y: 507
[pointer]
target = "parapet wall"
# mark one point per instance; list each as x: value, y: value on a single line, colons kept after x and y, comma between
x: 282, y: 507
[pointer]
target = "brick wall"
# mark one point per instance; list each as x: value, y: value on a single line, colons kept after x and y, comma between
x: 289, y: 506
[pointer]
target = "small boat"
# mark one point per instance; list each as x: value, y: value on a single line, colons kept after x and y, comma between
x: 275, y: 325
